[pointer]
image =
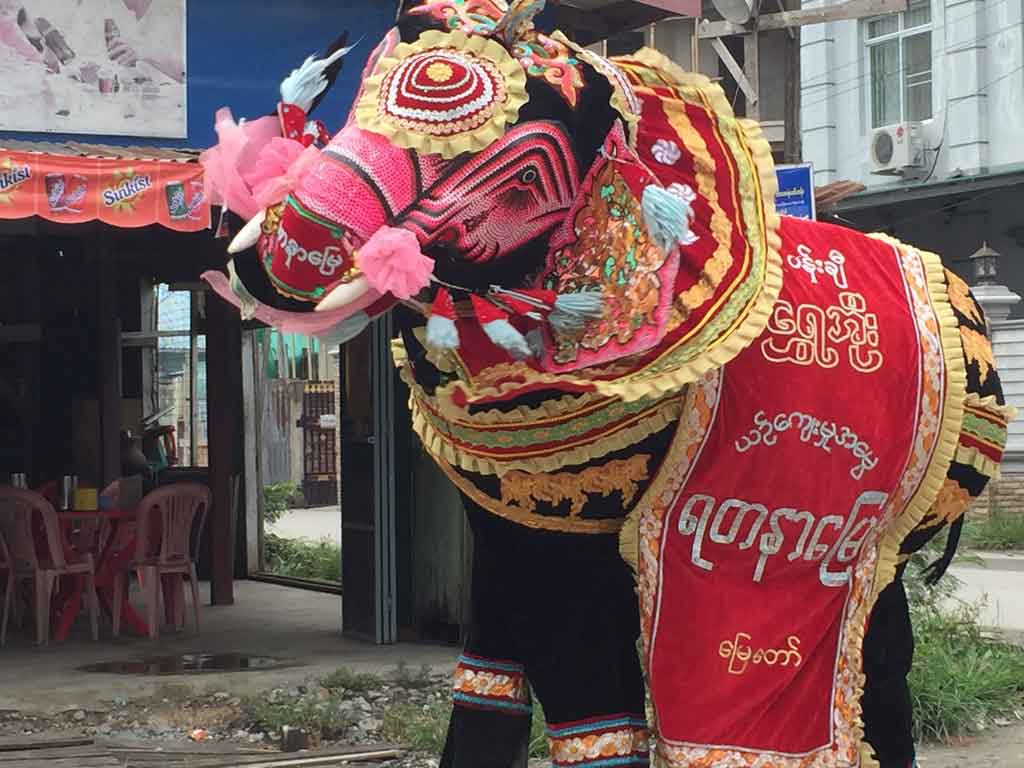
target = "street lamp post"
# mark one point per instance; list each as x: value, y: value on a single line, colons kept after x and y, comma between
x: 997, y: 300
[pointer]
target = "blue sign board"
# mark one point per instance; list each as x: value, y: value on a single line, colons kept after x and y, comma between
x: 796, y: 191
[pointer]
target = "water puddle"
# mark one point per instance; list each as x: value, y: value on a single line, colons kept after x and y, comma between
x: 189, y: 664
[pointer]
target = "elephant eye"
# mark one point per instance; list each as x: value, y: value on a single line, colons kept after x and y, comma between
x: 528, y: 176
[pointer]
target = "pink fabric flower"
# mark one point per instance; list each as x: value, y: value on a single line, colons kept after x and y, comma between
x: 393, y: 263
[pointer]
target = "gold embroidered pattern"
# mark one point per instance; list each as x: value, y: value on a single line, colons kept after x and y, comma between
x: 978, y: 349
x: 809, y: 334
x: 950, y: 504
x: 960, y: 298
x: 523, y: 489
x: 581, y: 750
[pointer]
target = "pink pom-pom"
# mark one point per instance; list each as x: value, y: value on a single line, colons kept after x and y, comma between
x: 281, y: 164
x: 393, y: 263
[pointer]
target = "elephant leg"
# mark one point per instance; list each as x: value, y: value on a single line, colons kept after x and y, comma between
x: 888, y: 656
x: 492, y: 710
x: 584, y: 665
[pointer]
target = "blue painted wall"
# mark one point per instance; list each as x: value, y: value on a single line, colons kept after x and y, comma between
x: 240, y: 50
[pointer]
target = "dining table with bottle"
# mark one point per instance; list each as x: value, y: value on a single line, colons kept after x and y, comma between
x: 97, y: 523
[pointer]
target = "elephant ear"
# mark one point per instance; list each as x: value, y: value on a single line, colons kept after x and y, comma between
x: 610, y: 245
x: 728, y: 270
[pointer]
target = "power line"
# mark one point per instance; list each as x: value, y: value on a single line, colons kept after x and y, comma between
x: 984, y: 86
x: 900, y: 70
x: 930, y: 28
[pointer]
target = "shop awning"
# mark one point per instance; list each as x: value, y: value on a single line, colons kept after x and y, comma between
x: 73, y: 182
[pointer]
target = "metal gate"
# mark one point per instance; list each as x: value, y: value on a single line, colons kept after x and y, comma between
x: 319, y: 423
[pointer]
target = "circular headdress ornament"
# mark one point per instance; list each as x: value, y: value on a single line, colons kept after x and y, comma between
x: 445, y: 94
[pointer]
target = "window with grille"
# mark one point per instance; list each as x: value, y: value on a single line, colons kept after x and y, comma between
x: 900, y: 65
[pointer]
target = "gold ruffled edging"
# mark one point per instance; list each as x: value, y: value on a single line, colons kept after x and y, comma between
x: 948, y: 436
x: 751, y: 322
x: 947, y: 441
x: 970, y: 455
x: 369, y: 109
x: 440, y: 446
x: 981, y: 463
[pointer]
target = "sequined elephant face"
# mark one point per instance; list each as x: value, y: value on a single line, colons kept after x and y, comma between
x: 465, y: 150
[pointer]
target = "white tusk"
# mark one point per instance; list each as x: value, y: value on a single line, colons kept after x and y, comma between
x: 344, y: 294
x: 250, y: 233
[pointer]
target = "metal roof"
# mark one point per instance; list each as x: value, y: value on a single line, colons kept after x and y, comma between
x: 106, y: 151
x: 908, y: 191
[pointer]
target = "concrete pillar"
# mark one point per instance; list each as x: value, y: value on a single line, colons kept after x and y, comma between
x: 967, y: 110
x: 817, y: 111
x: 1008, y: 348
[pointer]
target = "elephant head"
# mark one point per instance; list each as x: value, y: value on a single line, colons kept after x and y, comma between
x: 463, y: 182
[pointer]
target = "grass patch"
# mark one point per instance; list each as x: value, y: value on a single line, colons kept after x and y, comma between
x: 302, y: 559
x: 324, y: 718
x: 999, y: 531
x: 414, y: 679
x: 962, y: 680
x: 424, y: 728
x: 277, y: 499
x: 345, y: 679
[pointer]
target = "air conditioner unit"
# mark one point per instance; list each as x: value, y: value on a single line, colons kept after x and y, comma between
x: 897, y: 148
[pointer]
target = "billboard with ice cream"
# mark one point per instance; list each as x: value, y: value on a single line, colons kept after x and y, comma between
x: 110, y: 67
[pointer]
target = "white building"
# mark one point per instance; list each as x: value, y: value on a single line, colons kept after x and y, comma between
x: 946, y: 77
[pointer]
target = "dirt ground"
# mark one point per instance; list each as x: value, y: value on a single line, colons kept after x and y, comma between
x: 1000, y: 747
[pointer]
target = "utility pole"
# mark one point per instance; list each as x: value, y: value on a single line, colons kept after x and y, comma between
x: 793, y: 151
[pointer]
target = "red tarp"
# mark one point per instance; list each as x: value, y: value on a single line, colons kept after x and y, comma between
x: 120, y: 192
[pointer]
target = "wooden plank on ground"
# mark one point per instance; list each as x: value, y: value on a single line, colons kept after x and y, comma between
x: 18, y: 743
x: 295, y: 760
x: 99, y: 760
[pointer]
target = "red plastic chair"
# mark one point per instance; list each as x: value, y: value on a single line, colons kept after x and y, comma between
x: 19, y: 509
x: 164, y: 519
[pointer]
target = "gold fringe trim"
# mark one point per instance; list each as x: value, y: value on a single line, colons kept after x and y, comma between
x: 947, y: 439
x: 504, y: 114
x: 972, y: 457
x: 438, y: 445
x: 749, y: 325
x: 629, y: 540
x: 990, y: 403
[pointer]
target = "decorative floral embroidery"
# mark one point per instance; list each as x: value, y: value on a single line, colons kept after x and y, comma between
x: 446, y: 94
x: 951, y: 503
x: 618, y: 741
x: 624, y: 99
x: 978, y: 349
x: 488, y: 684
x: 666, y: 152
x: 474, y: 17
x: 613, y: 254
x: 623, y: 476
x: 960, y: 298
x: 551, y: 60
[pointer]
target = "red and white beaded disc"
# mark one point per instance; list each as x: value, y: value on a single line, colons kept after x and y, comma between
x: 447, y: 93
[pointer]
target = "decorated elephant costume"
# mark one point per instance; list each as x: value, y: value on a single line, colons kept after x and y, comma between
x: 616, y: 347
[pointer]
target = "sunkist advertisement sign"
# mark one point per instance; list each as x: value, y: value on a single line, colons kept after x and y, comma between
x: 123, y: 193
x: 796, y: 191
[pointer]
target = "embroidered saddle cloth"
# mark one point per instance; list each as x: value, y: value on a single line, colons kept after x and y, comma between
x: 777, y: 515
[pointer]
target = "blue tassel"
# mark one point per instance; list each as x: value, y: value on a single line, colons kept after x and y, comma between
x: 667, y: 217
